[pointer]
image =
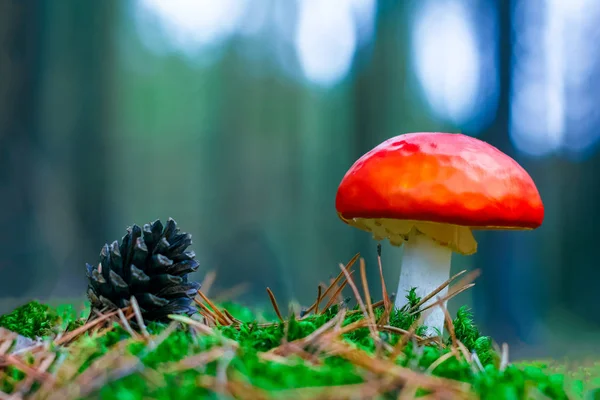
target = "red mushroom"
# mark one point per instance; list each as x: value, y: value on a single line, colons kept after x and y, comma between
x: 428, y: 190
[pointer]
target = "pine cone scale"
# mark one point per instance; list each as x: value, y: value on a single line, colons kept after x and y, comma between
x: 151, y: 264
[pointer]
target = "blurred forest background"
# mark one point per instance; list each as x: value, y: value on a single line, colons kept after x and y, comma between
x: 238, y: 118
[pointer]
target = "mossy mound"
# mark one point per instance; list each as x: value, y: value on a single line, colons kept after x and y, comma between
x: 328, y: 351
x: 252, y: 360
x: 30, y: 320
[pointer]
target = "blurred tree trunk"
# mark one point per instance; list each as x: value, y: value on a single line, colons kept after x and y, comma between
x: 72, y: 202
x: 380, y: 113
x: 20, y: 45
x: 501, y: 288
x: 253, y: 138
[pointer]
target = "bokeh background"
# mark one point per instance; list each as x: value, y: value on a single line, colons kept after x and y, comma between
x: 238, y: 118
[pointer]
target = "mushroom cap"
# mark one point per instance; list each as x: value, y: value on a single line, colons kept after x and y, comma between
x: 441, y: 178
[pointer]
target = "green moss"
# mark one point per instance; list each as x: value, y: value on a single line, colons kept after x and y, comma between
x: 469, y: 335
x: 245, y: 364
x: 31, y: 320
x: 69, y: 318
x: 582, y: 380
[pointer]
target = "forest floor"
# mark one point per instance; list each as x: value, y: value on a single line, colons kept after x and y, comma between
x: 327, y: 351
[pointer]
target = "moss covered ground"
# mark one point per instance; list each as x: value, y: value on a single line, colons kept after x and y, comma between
x: 331, y: 350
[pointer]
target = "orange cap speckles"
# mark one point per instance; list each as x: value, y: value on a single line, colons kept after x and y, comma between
x: 440, y: 177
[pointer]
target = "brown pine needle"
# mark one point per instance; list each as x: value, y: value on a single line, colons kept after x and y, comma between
x: 399, y: 347
x: 385, y: 367
x: 438, y: 362
x: 234, y: 389
x: 311, y: 338
x: 220, y: 316
x: 335, y: 281
x: 394, y: 329
x: 375, y: 305
x: 274, y: 303
x: 16, y: 361
x: 231, y: 317
x: 363, y: 277
x: 449, y: 326
x: 335, y: 296
x: 319, y: 297
x: 361, y: 305
x: 138, y: 317
x: 436, y: 291
x: 352, y: 327
x: 445, y: 298
x: 208, y: 281
x: 408, y: 392
x: 208, y: 318
x: 199, y: 326
x: 476, y: 364
x: 464, y: 350
x: 195, y: 360
x: 231, y: 293
x: 43, y: 366
x: 82, y: 329
x: 205, y: 308
x: 126, y: 324
x: 386, y: 299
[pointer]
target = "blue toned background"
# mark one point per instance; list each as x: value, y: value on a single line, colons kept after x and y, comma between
x: 238, y: 118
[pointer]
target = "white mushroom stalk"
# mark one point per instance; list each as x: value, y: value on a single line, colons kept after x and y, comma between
x: 427, y: 257
x: 425, y: 266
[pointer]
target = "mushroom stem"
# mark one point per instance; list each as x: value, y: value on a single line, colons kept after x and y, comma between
x: 425, y: 266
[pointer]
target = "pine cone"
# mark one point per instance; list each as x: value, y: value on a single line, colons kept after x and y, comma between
x: 150, y: 264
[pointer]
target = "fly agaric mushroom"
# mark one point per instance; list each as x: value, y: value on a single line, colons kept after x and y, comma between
x: 428, y: 190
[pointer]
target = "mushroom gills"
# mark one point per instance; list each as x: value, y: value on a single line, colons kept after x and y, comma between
x: 456, y: 237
